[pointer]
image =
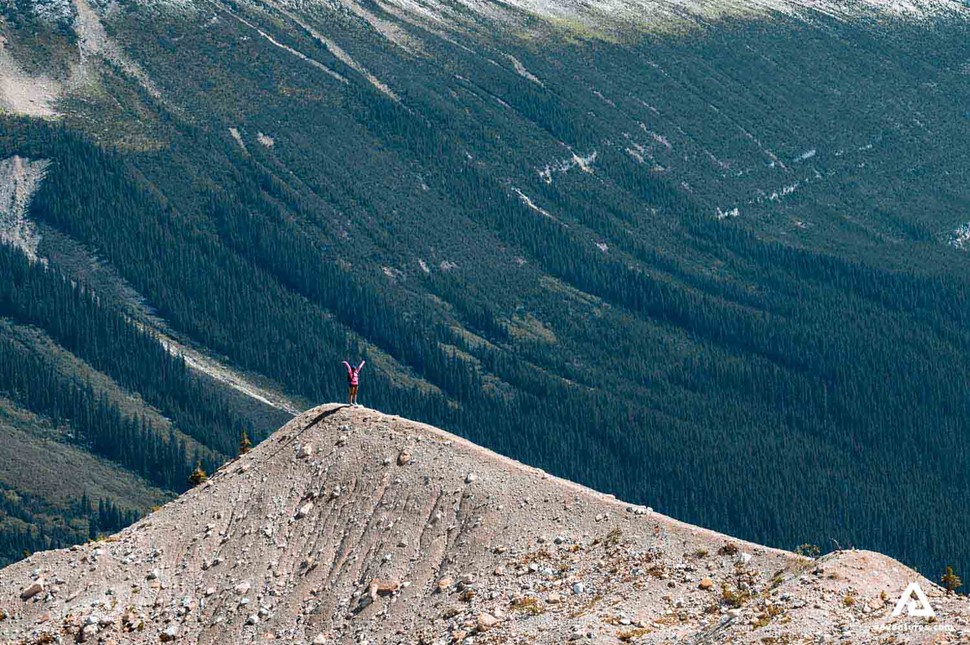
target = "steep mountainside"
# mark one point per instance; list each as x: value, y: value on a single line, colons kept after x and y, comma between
x: 351, y: 526
x: 707, y: 255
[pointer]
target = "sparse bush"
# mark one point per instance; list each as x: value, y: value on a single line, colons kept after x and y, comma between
x: 632, y: 634
x: 769, y: 613
x: 809, y: 551
x: 658, y: 571
x: 734, y: 598
x: 528, y: 605
x: 728, y: 549
x: 613, y: 538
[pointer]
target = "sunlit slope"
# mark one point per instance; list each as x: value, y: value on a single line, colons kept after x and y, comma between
x: 710, y: 257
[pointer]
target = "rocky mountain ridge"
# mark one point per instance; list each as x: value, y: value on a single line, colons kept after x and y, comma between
x: 351, y: 526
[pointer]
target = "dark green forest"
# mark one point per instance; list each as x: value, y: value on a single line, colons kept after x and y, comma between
x: 32, y: 525
x: 796, y: 374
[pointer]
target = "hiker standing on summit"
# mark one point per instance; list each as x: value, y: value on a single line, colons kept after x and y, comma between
x: 353, y: 381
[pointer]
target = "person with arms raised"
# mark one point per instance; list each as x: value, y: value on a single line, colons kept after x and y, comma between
x: 353, y: 382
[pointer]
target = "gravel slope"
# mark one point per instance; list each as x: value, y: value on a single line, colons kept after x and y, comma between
x: 351, y: 526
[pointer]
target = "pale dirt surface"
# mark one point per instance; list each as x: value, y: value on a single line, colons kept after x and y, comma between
x: 37, y: 95
x: 282, y: 545
x: 21, y: 93
x: 93, y: 42
x: 19, y: 180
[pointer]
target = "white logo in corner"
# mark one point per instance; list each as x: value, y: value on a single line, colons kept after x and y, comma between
x: 915, y: 602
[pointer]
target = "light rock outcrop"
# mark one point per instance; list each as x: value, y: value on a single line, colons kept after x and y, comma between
x: 419, y: 551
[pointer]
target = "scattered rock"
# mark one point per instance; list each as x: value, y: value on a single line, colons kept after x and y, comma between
x: 32, y: 590
x: 87, y: 633
x: 513, y: 542
x: 382, y: 588
x: 485, y: 622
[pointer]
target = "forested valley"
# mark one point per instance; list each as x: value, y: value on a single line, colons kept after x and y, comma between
x: 639, y: 264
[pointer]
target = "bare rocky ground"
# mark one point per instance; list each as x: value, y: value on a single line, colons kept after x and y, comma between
x: 350, y: 526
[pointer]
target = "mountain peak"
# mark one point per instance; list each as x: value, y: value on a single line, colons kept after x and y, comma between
x: 349, y: 524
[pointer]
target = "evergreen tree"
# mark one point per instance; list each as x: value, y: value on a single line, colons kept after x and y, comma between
x: 198, y: 475
x: 950, y: 580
